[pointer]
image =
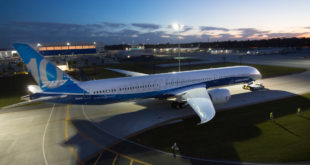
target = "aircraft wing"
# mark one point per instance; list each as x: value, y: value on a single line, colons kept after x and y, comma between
x: 126, y: 72
x: 34, y: 100
x: 198, y: 98
x: 201, y: 103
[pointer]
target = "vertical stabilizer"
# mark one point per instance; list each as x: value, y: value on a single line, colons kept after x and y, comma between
x: 46, y: 74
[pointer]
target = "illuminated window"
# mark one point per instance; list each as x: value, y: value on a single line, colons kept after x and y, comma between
x: 71, y: 47
x: 64, y: 47
x: 50, y: 48
x: 57, y: 47
x: 86, y: 47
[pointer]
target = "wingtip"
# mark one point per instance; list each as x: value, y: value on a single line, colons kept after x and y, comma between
x: 203, y: 122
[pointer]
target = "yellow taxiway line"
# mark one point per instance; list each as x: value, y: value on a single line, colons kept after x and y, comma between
x: 97, y: 160
x: 67, y: 137
x: 114, y: 160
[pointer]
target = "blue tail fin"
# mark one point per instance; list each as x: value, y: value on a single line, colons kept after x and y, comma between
x: 46, y: 74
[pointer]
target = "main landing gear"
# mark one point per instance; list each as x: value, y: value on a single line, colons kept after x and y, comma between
x: 178, y: 105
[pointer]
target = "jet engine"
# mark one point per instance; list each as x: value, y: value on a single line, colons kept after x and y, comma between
x: 219, y: 95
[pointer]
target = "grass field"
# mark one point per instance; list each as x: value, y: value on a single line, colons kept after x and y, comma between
x: 242, y: 134
x: 12, y: 88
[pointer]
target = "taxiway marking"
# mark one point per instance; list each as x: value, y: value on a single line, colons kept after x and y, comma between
x: 114, y: 160
x: 67, y: 137
x: 97, y: 160
x: 43, y: 139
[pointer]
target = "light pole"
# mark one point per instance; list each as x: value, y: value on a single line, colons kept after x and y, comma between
x: 178, y: 27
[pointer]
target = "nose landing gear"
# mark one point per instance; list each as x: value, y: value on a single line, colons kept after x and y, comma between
x: 253, y: 86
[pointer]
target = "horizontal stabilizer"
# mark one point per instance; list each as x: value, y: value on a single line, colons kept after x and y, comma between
x: 34, y: 100
x: 128, y: 73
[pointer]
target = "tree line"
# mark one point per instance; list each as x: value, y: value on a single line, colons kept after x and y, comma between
x: 274, y: 42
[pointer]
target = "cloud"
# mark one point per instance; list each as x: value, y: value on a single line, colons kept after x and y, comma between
x: 33, y: 32
x: 252, y: 33
x: 116, y: 33
x: 304, y: 35
x: 248, y: 30
x: 227, y: 36
x: 165, y: 36
x: 282, y: 35
x: 114, y: 25
x: 186, y: 28
x: 95, y: 25
x: 248, y: 33
x: 210, y: 28
x: 128, y: 32
x: 50, y: 28
x: 146, y: 26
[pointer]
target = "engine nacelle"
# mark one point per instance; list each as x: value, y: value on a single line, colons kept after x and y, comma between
x: 219, y: 95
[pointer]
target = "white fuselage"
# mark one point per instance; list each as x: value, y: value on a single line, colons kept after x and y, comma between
x: 166, y: 81
x: 153, y: 86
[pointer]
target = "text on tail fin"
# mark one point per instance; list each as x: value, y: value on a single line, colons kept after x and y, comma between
x: 45, y: 73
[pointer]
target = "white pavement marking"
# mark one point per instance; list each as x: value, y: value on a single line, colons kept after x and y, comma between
x: 11, y: 147
x: 43, y: 140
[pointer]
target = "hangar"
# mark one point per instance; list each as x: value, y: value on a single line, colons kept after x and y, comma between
x: 70, y: 48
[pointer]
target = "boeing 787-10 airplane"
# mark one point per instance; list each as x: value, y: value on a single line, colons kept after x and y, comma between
x: 187, y: 87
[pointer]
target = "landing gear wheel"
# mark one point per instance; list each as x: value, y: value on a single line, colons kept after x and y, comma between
x: 177, y: 105
x: 181, y: 105
x: 174, y: 104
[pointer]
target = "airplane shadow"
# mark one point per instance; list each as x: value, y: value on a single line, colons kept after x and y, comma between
x: 304, y: 117
x: 284, y: 128
x: 211, y: 143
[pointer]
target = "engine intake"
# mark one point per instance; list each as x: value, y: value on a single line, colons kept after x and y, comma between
x: 219, y: 95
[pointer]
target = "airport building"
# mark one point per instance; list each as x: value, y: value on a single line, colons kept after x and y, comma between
x: 8, y: 54
x: 70, y: 48
x: 253, y: 51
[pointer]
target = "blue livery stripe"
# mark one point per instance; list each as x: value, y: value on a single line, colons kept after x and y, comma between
x: 46, y: 74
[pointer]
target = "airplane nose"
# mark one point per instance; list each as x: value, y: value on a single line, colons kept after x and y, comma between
x: 257, y: 75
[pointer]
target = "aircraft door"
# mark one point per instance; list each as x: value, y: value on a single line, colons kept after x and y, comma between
x: 160, y: 84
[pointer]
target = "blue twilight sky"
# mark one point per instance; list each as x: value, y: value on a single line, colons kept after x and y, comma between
x: 149, y: 21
